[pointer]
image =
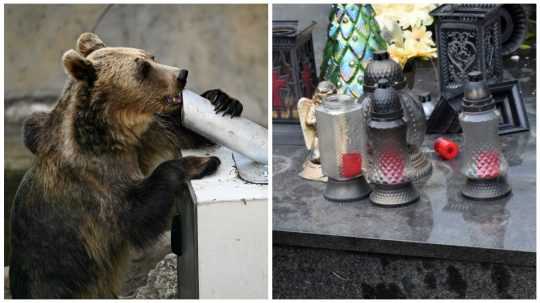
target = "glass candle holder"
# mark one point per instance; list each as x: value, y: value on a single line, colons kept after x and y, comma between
x: 340, y: 141
x: 484, y: 164
x: 382, y: 67
x: 387, y: 150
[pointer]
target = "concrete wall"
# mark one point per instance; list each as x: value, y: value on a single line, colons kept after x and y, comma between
x: 222, y: 46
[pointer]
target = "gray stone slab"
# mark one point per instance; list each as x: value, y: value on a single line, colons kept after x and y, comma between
x: 443, y: 224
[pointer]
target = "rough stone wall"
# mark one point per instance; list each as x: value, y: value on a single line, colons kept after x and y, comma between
x: 322, y: 273
x: 222, y: 46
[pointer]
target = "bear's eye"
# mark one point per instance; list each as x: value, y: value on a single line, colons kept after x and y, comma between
x: 153, y: 58
x: 143, y: 68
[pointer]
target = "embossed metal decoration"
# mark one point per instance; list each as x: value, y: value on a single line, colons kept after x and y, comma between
x: 468, y: 39
x: 353, y: 37
x: 293, y: 68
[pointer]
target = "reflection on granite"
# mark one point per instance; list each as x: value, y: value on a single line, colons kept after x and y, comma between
x: 298, y: 200
x: 441, y: 217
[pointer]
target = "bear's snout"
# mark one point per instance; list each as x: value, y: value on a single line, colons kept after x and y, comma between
x: 182, y: 78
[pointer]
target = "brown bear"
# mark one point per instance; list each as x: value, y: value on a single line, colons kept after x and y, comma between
x: 107, y: 170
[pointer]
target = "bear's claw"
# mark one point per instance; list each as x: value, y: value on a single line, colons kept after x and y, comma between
x: 223, y: 103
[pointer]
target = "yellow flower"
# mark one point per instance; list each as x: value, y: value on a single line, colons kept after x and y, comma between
x: 399, y: 54
x: 411, y: 49
x: 403, y: 26
x: 419, y: 35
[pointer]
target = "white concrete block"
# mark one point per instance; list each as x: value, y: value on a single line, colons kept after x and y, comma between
x: 232, y: 235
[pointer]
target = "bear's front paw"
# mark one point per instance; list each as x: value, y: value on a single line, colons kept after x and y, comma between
x: 172, y: 173
x: 199, y: 167
x: 223, y: 103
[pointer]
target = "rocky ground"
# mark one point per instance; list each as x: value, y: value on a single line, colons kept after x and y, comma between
x: 161, y: 281
x: 152, y: 272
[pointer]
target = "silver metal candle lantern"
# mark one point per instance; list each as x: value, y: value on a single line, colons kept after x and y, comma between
x: 484, y: 164
x: 388, y: 151
x: 340, y: 141
x: 382, y: 67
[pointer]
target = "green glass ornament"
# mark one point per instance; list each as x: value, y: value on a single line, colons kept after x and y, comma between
x: 353, y: 37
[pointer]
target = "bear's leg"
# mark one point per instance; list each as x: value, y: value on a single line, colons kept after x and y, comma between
x: 19, y: 282
x: 151, y: 201
x: 198, y: 167
x: 47, y: 269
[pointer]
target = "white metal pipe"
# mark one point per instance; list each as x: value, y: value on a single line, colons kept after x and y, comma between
x: 238, y: 134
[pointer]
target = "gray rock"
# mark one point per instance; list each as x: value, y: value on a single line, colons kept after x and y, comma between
x: 162, y: 281
x: 142, y: 262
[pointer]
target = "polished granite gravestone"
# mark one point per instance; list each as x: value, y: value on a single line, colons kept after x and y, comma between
x: 442, y: 224
x: 472, y: 249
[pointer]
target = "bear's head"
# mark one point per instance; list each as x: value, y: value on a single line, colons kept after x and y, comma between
x: 129, y: 76
x: 117, y: 91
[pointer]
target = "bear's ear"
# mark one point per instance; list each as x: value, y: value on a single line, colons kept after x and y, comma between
x: 89, y: 42
x: 78, y: 66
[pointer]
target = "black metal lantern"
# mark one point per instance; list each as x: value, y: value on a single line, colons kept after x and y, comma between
x: 293, y: 68
x: 382, y: 67
x: 468, y: 39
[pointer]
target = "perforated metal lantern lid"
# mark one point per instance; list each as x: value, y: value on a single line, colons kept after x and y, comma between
x: 382, y: 67
x: 477, y: 96
x: 386, y: 103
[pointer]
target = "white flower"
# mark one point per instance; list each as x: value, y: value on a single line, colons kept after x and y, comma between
x: 407, y: 15
x: 390, y: 30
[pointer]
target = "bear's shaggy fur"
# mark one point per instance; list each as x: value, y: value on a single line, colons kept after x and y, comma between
x: 107, y: 169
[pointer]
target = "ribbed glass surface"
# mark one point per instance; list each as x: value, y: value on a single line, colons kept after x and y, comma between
x: 388, y: 155
x: 482, y: 155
